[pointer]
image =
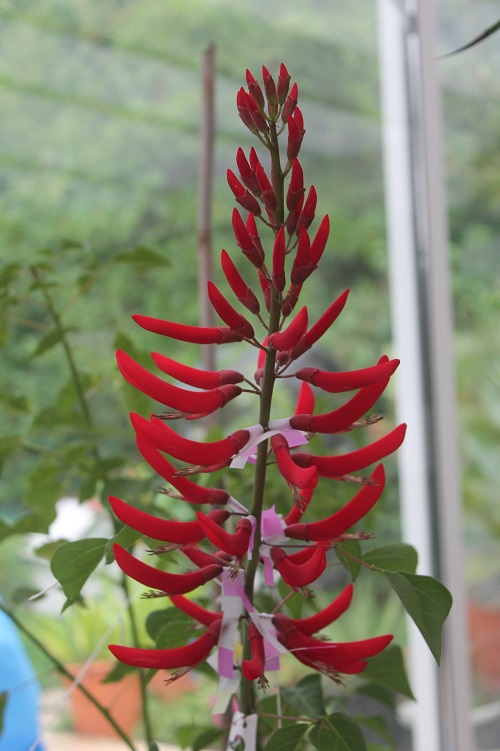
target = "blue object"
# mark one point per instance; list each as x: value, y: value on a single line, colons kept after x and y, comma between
x: 20, y: 719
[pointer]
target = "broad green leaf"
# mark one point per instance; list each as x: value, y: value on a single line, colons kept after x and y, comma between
x: 14, y: 401
x: 378, y: 725
x: 337, y: 732
x: 388, y: 669
x: 394, y: 556
x: 142, y: 258
x: 125, y: 537
x: 170, y: 628
x: 73, y: 562
x: 3, y: 703
x: 349, y: 555
x: 426, y: 601
x: 51, y: 338
x: 378, y: 692
x: 207, y: 737
x: 306, y: 697
x: 8, y: 273
x: 117, y: 672
x: 287, y: 738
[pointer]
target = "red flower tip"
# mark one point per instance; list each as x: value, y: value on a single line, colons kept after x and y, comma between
x: 283, y: 84
x: 303, y: 573
x: 285, y: 340
x: 242, y: 195
x: 229, y: 315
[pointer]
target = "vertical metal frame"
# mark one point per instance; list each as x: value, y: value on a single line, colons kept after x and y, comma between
x: 422, y: 329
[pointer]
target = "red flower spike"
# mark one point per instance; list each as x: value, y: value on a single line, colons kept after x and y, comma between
x: 242, y: 195
x: 296, y: 188
x: 176, y: 532
x: 295, y: 137
x: 299, y: 574
x: 343, y: 418
x: 201, y: 379
x: 321, y: 326
x: 336, y: 524
x: 283, y: 84
x: 270, y: 90
x: 189, y: 491
x: 192, y: 452
x: 266, y: 290
x: 243, y: 111
x: 285, y: 340
x: 170, y: 659
x: 246, y: 173
x: 229, y: 315
x: 321, y: 620
x: 240, y: 288
x: 319, y: 242
x: 349, y: 380
x: 279, y: 250
x: 291, y: 300
x: 172, y: 396
x: 255, y: 90
x: 234, y: 544
x: 266, y: 189
x: 346, y: 464
x: 184, y: 333
x: 154, y: 578
x: 256, y: 114
x: 292, y: 473
x: 203, y: 616
x: 290, y: 103
x: 253, y: 669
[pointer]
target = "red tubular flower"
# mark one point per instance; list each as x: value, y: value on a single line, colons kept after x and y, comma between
x: 345, y: 464
x: 305, y: 401
x: 283, y: 84
x: 252, y: 250
x: 172, y: 396
x: 296, y: 188
x: 328, y: 615
x: 299, y: 574
x: 279, y: 250
x: 293, y: 217
x: 347, y: 657
x: 229, y: 315
x: 247, y: 174
x: 308, y: 211
x: 319, y: 242
x: 296, y: 512
x: 164, y: 438
x: 266, y: 189
x: 189, y: 491
x: 202, y: 559
x: 291, y: 300
x: 203, y: 616
x: 292, y: 472
x: 348, y: 380
x: 184, y: 333
x: 253, y: 669
x: 238, y: 285
x: 343, y: 418
x: 255, y: 90
x: 201, y: 379
x: 162, y: 529
x: 170, y: 659
x: 242, y: 195
x: 335, y: 525
x: 295, y: 136
x: 251, y: 227
x: 290, y: 103
x: 320, y: 327
x: 256, y: 114
x: 302, y: 267
x: 243, y: 111
x: 285, y: 340
x: 270, y: 90
x: 172, y: 584
x: 234, y: 544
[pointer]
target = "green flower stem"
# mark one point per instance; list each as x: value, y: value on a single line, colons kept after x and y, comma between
x: 61, y: 669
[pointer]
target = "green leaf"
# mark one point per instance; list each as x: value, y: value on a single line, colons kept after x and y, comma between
x: 15, y: 402
x: 73, y: 562
x: 125, y: 537
x: 388, y: 668
x: 4, y: 695
x: 337, y: 732
x: 349, y: 555
x: 378, y: 725
x: 117, y: 672
x: 394, y: 556
x: 287, y: 738
x: 8, y: 273
x: 427, y: 602
x: 169, y: 628
x: 306, y: 697
x: 51, y: 338
x: 206, y: 738
x: 142, y: 258
x: 377, y: 692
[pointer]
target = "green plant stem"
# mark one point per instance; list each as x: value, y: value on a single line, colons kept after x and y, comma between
x: 61, y: 669
x: 248, y: 698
